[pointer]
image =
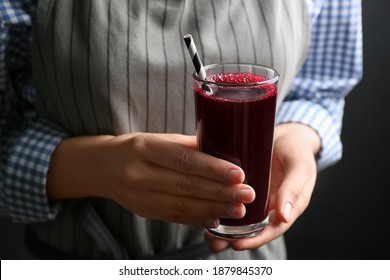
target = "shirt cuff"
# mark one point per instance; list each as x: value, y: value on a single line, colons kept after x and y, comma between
x: 319, y: 119
x: 25, y: 173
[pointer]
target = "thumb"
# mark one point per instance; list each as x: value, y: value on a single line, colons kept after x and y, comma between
x: 295, y: 190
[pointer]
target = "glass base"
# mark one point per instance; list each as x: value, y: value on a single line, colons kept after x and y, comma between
x: 237, y: 232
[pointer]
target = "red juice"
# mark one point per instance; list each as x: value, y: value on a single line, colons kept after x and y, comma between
x: 236, y: 123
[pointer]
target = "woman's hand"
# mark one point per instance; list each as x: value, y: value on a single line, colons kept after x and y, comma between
x: 157, y: 176
x: 293, y: 177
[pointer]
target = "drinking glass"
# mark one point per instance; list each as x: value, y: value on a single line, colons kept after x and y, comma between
x: 235, y: 120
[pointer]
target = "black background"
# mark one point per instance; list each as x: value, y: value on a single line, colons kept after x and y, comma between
x: 349, y: 213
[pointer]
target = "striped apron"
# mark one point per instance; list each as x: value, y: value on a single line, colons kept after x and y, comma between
x: 114, y: 67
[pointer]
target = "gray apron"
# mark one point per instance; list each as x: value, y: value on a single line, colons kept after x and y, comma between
x: 114, y: 67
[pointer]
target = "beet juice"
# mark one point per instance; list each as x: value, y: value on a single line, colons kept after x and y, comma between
x: 235, y: 122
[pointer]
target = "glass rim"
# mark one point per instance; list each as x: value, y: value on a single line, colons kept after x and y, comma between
x: 265, y: 82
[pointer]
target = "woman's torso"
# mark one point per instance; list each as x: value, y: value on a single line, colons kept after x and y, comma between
x: 114, y: 67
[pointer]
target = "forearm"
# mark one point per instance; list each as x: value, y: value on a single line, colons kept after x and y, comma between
x: 76, y: 166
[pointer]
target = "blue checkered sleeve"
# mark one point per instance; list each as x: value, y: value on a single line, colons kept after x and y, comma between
x: 26, y: 143
x: 23, y: 193
x: 332, y: 68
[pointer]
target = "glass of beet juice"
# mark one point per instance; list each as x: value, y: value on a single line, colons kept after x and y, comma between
x: 235, y: 120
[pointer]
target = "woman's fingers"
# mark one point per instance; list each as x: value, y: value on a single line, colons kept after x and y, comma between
x: 185, y: 210
x: 216, y: 244
x: 188, y: 185
x: 165, y: 178
x: 181, y: 158
x: 276, y: 227
x: 272, y: 231
x: 300, y: 175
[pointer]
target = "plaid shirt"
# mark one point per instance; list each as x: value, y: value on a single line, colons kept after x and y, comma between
x: 332, y: 68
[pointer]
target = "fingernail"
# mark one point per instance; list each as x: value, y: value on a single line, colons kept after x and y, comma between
x: 244, y: 194
x: 234, y: 176
x: 212, y: 223
x: 287, y: 211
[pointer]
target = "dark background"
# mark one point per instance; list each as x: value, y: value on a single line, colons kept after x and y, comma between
x: 350, y: 208
x: 349, y: 213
